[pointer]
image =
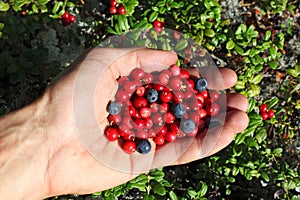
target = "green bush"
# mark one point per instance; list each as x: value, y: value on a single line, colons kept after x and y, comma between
x: 260, y: 163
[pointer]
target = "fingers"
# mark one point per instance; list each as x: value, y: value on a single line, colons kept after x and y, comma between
x: 237, y: 101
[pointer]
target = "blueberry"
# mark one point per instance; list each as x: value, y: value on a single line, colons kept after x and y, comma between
x: 152, y: 95
x: 188, y: 126
x: 212, y: 122
x: 201, y: 84
x: 143, y: 146
x: 113, y: 108
x: 179, y: 110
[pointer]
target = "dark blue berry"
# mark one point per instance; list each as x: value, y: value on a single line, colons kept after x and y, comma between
x: 152, y: 95
x: 188, y: 126
x: 201, y: 84
x: 143, y: 146
x: 179, y: 110
x: 113, y: 108
x: 211, y: 122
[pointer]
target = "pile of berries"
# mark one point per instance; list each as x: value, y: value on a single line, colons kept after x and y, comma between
x: 115, y: 8
x: 162, y: 106
x: 265, y: 113
x: 68, y: 19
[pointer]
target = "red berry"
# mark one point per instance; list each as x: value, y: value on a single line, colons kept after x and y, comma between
x: 159, y: 140
x: 271, y: 113
x: 113, y: 10
x: 195, y: 116
x: 164, y: 78
x: 188, y: 94
x: 178, y: 96
x: 170, y: 118
x: 139, y: 124
x: 154, y: 107
x: 157, y: 24
x: 122, y: 96
x: 200, y: 97
x: 122, y: 80
x: 175, y: 83
x: 142, y: 134
x: 72, y: 18
x: 113, y: 3
x: 174, y: 127
x: 129, y: 86
x: 264, y: 115
x: 164, y: 107
x: 129, y: 147
x: 213, y: 109
x: 158, y: 87
x: 175, y: 70
x: 121, y: 10
x: 166, y: 97
x: 170, y: 136
x: 65, y: 15
x: 151, y: 133
x: 148, y: 78
x: 263, y: 108
x: 137, y: 74
x: 111, y: 134
x: 185, y: 74
x: 204, y: 94
x: 193, y: 133
x: 133, y: 112
x: 66, y: 22
x: 162, y: 130
x: 139, y: 102
x: 158, y: 29
x: 214, y: 95
x: 145, y: 112
x: 201, y: 125
x: 114, y: 119
x: 126, y: 121
x: 140, y: 91
x: 190, y: 84
x: 157, y: 118
x: 148, y: 123
x: 202, y: 113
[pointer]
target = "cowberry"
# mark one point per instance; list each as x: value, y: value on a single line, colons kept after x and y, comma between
x: 185, y: 74
x: 170, y: 118
x: 140, y: 102
x: 122, y: 96
x: 166, y: 97
x: 121, y: 10
x: 263, y: 108
x: 129, y: 147
x: 175, y: 70
x: 140, y: 91
x: 111, y: 134
x: 213, y: 109
x: 65, y: 15
x: 159, y: 140
x: 158, y: 24
x: 137, y: 74
x: 113, y: 3
x: 145, y: 112
x: 264, y: 115
x: 139, y: 123
x: 175, y: 83
x: 271, y: 113
x: 170, y: 136
x: 129, y: 86
x: 214, y: 95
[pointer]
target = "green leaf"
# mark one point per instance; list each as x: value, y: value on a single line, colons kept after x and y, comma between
x: 192, y: 193
x: 148, y: 197
x: 277, y: 152
x: 56, y: 6
x: 257, y: 79
x: 230, y: 45
x: 209, y: 32
x: 172, y: 195
x: 267, y: 35
x: 239, y: 85
x: 203, y: 189
x: 272, y: 102
x: 273, y: 53
x: 183, y: 43
x: 158, y: 188
x: 35, y: 9
x: 239, y: 50
x: 153, y: 16
x: 4, y: 6
x: 265, y: 176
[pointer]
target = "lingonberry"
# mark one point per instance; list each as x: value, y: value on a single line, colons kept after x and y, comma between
x: 214, y: 95
x: 164, y: 107
x: 178, y: 96
x: 204, y: 94
x: 162, y: 130
x: 158, y: 87
x: 213, y: 109
x: 263, y: 108
x: 175, y: 70
x: 202, y: 113
x: 133, y: 112
x: 164, y: 78
x: 158, y: 118
x: 139, y: 102
x: 139, y: 123
x: 190, y: 84
x: 126, y: 121
x: 114, y: 119
x: 201, y: 84
x: 157, y: 24
x: 158, y: 29
x: 65, y: 15
x: 111, y: 134
x: 121, y: 10
x: 113, y: 3
x: 170, y: 136
x: 174, y: 127
x: 137, y: 74
x: 185, y: 74
x: 170, y: 118
x: 151, y: 133
x: 142, y: 134
x: 122, y: 80
x: 159, y: 140
x: 188, y: 94
x: 264, y: 115
x: 122, y: 96
x: 195, y: 116
x: 72, y: 18
x: 148, y: 78
x: 129, y: 86
x: 166, y: 97
x: 129, y: 147
x: 140, y: 91
x: 154, y: 107
x: 175, y: 83
x: 148, y: 123
x: 112, y: 10
x: 113, y: 108
x: 66, y: 22
x: 143, y: 146
x: 145, y: 112
x: 200, y: 97
x: 271, y: 113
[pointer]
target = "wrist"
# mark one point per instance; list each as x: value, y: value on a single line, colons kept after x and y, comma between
x: 24, y: 153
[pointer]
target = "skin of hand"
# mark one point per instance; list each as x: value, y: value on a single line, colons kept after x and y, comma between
x: 42, y: 154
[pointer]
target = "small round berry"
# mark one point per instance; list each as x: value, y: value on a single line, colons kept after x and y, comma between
x: 214, y: 95
x: 158, y: 118
x: 137, y: 74
x: 170, y: 136
x: 65, y: 15
x: 175, y: 70
x: 158, y: 24
x: 139, y: 123
x: 122, y: 96
x: 263, y: 108
x: 140, y: 91
x: 202, y: 113
x: 185, y: 74
x: 129, y: 86
x: 72, y: 18
x: 271, y: 113
x: 188, y: 126
x: 152, y: 95
x: 113, y: 108
x: 159, y: 140
x: 213, y: 109
x: 129, y: 147
x: 201, y: 84
x: 121, y: 10
x: 166, y: 97
x: 264, y: 115
x: 143, y: 146
x: 140, y: 102
x: 66, y: 22
x: 111, y: 134
x: 148, y: 123
x: 179, y: 110
x: 164, y: 78
x: 114, y: 119
x: 145, y: 112
x: 170, y: 118
x: 175, y: 83
x: 113, y: 3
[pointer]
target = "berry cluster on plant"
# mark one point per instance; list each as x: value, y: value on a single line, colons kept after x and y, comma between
x: 161, y: 106
x: 266, y: 113
x: 115, y: 8
x: 68, y: 18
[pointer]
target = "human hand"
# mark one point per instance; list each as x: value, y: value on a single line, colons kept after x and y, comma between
x: 75, y: 156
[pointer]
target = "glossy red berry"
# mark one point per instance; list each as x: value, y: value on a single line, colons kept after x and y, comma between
x: 113, y: 3
x: 202, y: 113
x: 65, y: 15
x: 271, y: 113
x: 164, y: 78
x: 145, y: 112
x: 111, y: 134
x: 158, y: 24
x: 72, y: 18
x: 121, y: 10
x: 170, y: 118
x: 129, y: 86
x: 129, y: 147
x: 264, y: 115
x: 122, y: 96
x: 159, y: 140
x: 170, y: 136
x: 185, y: 74
x: 213, y: 109
x: 166, y: 97
x: 175, y: 70
x: 214, y: 95
x: 139, y: 124
x: 140, y: 102
x: 137, y: 74
x: 140, y: 91
x: 175, y: 83
x: 263, y: 108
